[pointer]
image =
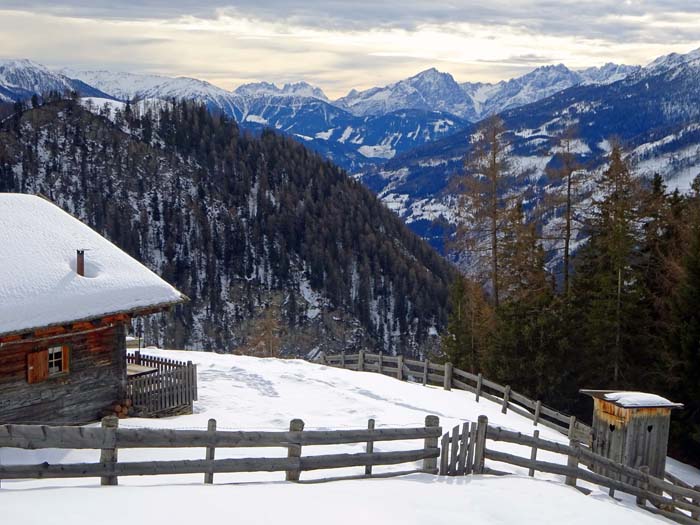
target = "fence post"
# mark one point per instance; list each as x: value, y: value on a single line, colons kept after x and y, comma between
x: 137, y: 357
x: 426, y: 366
x: 380, y: 363
x: 696, y: 501
x: 108, y: 456
x: 480, y: 444
x: 399, y: 367
x: 211, y: 429
x: 572, y: 461
x: 430, y: 464
x: 644, y: 485
x: 533, y: 455
x: 506, y: 398
x: 370, y: 446
x: 447, y: 383
x: 538, y: 409
x: 479, y: 380
x: 342, y: 359
x: 294, y: 450
x: 361, y: 361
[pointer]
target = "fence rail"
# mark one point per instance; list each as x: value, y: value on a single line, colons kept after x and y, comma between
x: 447, y: 376
x: 170, y: 389
x: 110, y: 438
x: 465, y: 449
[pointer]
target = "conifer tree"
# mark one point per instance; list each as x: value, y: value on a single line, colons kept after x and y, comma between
x: 482, y: 202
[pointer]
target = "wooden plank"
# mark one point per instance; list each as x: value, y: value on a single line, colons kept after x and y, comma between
x: 538, y: 410
x: 465, y: 375
x: 36, y: 437
x: 108, y: 456
x: 493, y: 386
x: 572, y: 460
x: 436, y: 367
x: 211, y: 452
x: 447, y: 384
x: 470, y: 453
x: 454, y: 452
x: 462, y: 386
x: 294, y: 450
x: 370, y: 446
x: 533, y: 454
x: 480, y: 444
x: 506, y: 397
x: 479, y: 386
x: 363, y: 459
x: 463, y: 447
x: 522, y: 400
x: 430, y: 464
x: 444, y: 454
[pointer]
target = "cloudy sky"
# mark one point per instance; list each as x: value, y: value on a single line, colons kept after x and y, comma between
x: 339, y: 45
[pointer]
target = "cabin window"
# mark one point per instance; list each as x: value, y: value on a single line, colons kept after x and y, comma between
x: 55, y: 360
x: 48, y: 362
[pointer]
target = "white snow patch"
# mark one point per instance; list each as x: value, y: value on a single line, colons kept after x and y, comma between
x: 380, y: 151
x: 639, y: 399
x: 256, y: 119
x: 325, y: 135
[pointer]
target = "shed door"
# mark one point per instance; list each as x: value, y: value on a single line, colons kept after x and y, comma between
x: 37, y: 366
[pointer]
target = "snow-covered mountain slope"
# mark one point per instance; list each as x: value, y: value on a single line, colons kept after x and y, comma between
x: 653, y: 111
x: 22, y: 78
x: 121, y: 85
x: 265, y: 394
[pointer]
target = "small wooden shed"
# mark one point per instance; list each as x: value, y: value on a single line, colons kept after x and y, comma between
x: 632, y: 428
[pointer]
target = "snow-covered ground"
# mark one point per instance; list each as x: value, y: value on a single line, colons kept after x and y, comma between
x: 264, y: 394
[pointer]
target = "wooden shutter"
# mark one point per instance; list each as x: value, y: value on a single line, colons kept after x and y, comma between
x: 37, y: 366
x: 66, y: 359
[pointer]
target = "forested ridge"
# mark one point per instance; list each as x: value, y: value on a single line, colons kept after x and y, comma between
x: 278, y: 250
x: 621, y: 311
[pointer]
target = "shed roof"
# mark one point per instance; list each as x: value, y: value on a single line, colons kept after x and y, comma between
x: 39, y: 286
x: 626, y: 399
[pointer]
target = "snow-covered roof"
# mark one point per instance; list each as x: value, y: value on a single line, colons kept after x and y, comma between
x: 39, y: 285
x: 627, y: 399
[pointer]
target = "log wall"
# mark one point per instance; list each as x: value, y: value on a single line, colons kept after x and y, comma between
x: 97, y: 378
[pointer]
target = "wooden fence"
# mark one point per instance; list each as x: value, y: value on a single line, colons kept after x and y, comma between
x: 465, y: 449
x: 169, y: 390
x: 449, y: 377
x: 110, y: 438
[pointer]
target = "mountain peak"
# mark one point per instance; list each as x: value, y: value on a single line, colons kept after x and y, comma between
x: 298, y: 89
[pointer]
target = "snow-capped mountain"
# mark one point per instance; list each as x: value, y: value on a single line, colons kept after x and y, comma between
x: 473, y: 101
x: 654, y: 111
x: 489, y: 99
x: 22, y: 78
x: 299, y: 109
x: 296, y: 89
x: 429, y: 90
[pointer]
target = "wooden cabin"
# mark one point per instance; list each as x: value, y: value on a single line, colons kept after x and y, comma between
x: 632, y: 428
x: 67, y: 295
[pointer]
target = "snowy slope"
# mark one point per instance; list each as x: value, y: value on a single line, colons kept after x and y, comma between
x: 264, y: 394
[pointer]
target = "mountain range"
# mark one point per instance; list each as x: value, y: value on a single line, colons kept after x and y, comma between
x: 361, y: 130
